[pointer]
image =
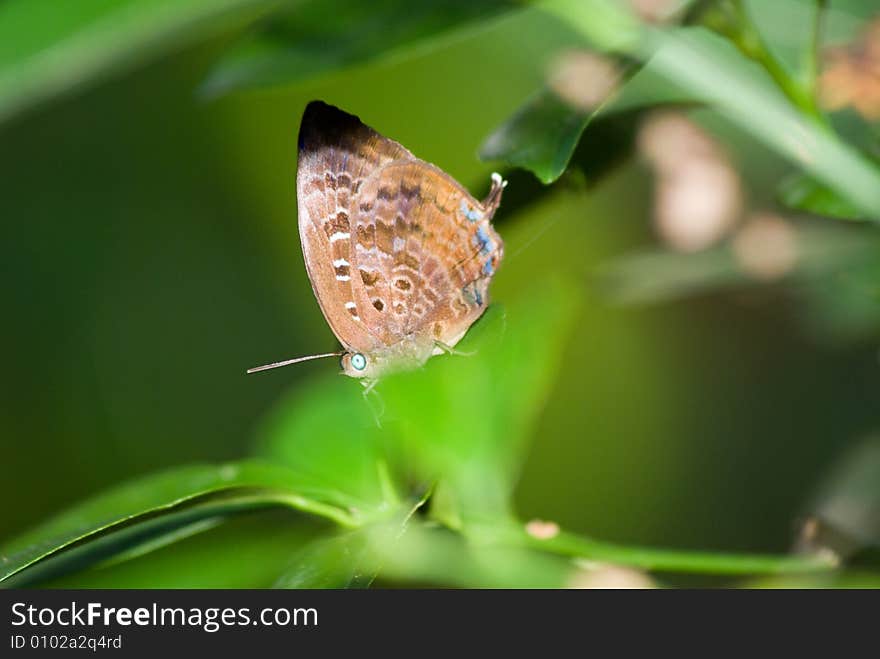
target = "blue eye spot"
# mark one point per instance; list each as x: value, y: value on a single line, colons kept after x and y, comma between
x: 358, y: 362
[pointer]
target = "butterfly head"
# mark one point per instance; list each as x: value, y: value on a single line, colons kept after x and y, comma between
x: 402, y: 356
x: 359, y: 365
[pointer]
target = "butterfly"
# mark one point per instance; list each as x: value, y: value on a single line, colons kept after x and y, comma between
x: 399, y: 254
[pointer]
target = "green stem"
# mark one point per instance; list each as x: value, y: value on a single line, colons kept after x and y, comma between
x: 670, y: 560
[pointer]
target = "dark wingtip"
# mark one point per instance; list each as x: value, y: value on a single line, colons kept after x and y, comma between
x: 323, y: 123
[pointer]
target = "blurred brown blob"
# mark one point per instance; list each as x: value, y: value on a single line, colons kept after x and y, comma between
x: 844, y: 514
x: 697, y: 198
x: 655, y: 11
x: 583, y: 79
x: 538, y: 528
x: 817, y: 538
x: 610, y: 576
x: 766, y: 246
x: 851, y: 77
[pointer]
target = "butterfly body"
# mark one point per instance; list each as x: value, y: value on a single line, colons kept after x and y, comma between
x: 399, y: 255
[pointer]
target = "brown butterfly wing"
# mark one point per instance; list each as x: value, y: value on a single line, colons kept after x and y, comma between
x: 396, y: 249
x: 421, y: 245
x: 336, y: 154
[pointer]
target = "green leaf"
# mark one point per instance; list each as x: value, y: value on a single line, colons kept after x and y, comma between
x: 142, y: 511
x: 244, y: 551
x: 328, y: 434
x: 713, y: 70
x: 845, y: 305
x: 540, y: 137
x: 806, y: 194
x: 322, y: 36
x: 702, y: 67
x: 465, y: 418
x: 659, y: 275
x: 343, y: 561
x: 543, y: 134
x: 349, y: 559
x: 48, y: 48
x: 846, y: 507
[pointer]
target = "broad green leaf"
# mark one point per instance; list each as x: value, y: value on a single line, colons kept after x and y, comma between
x: 329, y: 434
x: 244, y: 551
x: 460, y: 418
x: 465, y: 419
x: 806, y: 194
x: 845, y: 305
x: 142, y: 511
x: 846, y: 507
x: 543, y: 134
x: 711, y: 69
x: 540, y: 137
x: 317, y: 37
x: 349, y: 559
x: 49, y: 47
x: 343, y: 561
x: 706, y: 68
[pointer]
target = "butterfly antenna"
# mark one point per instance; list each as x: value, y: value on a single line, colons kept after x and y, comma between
x: 493, y: 199
x: 288, y: 362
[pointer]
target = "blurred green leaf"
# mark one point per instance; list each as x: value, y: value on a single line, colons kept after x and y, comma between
x: 712, y: 69
x: 245, y: 551
x: 322, y: 36
x: 845, y: 305
x: 343, y: 561
x: 659, y: 275
x: 465, y: 418
x: 806, y: 194
x: 543, y: 134
x: 844, y: 513
x: 328, y: 434
x: 825, y: 253
x: 423, y: 423
x: 348, y: 559
x: 47, y: 48
x: 144, y: 510
x: 709, y: 69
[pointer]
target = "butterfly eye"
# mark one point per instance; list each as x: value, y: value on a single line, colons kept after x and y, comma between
x: 358, y: 362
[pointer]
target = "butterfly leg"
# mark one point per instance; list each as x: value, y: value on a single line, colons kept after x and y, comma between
x: 449, y: 350
x: 369, y: 388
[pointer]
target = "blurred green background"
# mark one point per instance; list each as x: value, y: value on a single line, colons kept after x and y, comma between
x: 151, y: 255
